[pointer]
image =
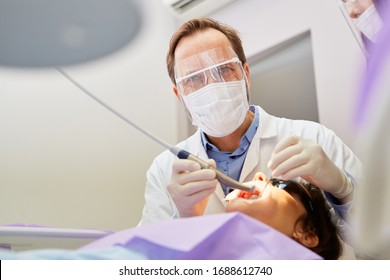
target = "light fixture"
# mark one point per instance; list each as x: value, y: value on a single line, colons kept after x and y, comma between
x: 47, y: 33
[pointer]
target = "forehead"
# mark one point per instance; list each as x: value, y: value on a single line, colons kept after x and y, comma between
x: 204, y: 60
x: 199, y: 42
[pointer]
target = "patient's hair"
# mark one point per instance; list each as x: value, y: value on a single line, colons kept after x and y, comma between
x: 320, y: 222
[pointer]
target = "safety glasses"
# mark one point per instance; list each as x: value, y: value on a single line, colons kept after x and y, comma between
x: 293, y: 187
x: 225, y: 71
x: 216, y: 65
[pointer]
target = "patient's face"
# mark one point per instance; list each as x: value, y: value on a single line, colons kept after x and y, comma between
x: 275, y: 207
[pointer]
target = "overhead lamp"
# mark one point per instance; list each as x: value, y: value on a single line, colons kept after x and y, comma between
x: 47, y: 33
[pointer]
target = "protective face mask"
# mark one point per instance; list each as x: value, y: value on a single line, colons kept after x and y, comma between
x: 369, y: 23
x: 218, y: 109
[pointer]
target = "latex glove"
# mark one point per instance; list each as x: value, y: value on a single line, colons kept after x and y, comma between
x: 190, y: 186
x: 298, y: 157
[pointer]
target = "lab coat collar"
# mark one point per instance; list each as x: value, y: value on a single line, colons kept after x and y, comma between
x: 267, y: 129
x: 267, y: 126
x: 196, y: 147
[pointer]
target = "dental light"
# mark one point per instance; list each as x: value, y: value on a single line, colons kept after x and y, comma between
x: 47, y: 33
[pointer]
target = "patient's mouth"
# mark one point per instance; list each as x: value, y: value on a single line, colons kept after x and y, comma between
x: 243, y: 194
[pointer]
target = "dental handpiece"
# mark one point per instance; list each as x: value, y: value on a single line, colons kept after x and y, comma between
x: 180, y: 153
x: 222, y: 178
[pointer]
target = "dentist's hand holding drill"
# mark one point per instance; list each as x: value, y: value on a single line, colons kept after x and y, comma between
x: 190, y: 186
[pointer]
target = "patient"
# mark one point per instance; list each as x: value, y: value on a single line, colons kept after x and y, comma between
x: 297, y: 210
x: 286, y: 210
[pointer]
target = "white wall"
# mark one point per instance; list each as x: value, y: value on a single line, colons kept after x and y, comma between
x: 66, y: 161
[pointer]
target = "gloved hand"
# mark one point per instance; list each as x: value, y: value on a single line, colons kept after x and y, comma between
x: 260, y: 180
x: 297, y: 157
x: 190, y: 186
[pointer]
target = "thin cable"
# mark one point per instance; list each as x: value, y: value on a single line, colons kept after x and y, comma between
x: 175, y: 150
x: 159, y: 141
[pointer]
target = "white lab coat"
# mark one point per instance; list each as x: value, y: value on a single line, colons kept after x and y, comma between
x: 271, y: 130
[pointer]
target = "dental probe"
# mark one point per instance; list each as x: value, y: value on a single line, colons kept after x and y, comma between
x: 180, y: 153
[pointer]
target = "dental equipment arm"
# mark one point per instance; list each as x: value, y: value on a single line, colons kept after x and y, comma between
x: 180, y: 153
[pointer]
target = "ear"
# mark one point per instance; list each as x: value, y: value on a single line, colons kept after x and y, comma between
x: 176, y: 92
x: 247, y: 72
x: 307, y: 238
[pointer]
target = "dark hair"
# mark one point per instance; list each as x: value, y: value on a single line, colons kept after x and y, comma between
x: 320, y: 223
x: 197, y: 25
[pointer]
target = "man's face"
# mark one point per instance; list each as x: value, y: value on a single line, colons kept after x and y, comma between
x: 363, y: 20
x: 202, y: 50
x: 356, y: 7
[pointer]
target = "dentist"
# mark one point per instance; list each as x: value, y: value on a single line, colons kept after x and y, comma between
x: 211, y: 79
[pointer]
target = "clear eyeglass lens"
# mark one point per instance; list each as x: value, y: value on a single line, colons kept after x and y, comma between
x: 228, y: 72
